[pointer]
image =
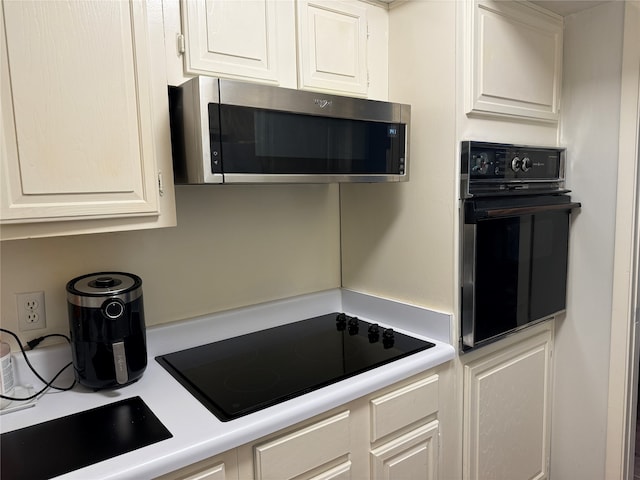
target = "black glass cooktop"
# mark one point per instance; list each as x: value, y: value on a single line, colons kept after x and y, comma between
x: 244, y: 374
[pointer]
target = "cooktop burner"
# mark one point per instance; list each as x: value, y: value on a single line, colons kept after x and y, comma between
x: 244, y: 374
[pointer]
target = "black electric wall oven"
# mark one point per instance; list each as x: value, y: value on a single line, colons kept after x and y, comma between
x: 515, y: 218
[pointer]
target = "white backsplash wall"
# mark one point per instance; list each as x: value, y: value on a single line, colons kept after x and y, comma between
x: 233, y: 246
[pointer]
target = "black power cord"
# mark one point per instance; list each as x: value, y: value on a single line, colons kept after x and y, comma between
x: 32, y: 344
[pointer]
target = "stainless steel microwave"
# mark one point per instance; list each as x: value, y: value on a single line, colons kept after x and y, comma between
x: 227, y: 131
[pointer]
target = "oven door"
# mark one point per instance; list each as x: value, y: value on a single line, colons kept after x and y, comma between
x: 514, y: 264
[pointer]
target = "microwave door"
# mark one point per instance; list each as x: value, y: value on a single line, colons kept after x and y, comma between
x: 279, y: 146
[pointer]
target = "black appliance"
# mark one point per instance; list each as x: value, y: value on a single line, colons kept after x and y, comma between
x: 515, y: 217
x: 244, y: 374
x: 76, y: 441
x: 108, y: 334
x: 228, y: 131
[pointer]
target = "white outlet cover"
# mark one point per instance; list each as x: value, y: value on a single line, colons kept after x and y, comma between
x: 31, y: 311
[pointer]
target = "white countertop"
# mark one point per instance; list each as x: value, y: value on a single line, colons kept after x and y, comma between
x: 197, y: 433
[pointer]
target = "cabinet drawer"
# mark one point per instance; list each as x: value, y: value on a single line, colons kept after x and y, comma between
x: 404, y: 406
x: 412, y: 455
x: 220, y: 467
x: 303, y: 450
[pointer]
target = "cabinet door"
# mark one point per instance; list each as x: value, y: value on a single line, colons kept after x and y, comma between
x: 413, y: 455
x: 77, y: 120
x: 332, y: 45
x: 250, y: 39
x: 506, y: 412
x: 513, y: 60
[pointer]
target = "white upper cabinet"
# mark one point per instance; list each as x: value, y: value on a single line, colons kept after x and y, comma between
x: 332, y: 46
x: 79, y: 121
x: 513, y: 60
x: 320, y: 45
x: 243, y: 39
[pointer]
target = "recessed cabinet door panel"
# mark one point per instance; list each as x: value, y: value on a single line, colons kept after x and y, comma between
x: 533, y: 85
x: 225, y: 20
x: 238, y: 38
x: 506, y: 428
x: 332, y: 46
x: 76, y: 119
x: 514, y: 60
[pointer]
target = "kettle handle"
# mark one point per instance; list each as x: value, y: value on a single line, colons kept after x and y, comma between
x: 120, y: 363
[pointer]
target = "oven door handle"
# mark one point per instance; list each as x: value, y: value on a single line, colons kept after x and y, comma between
x: 489, y: 213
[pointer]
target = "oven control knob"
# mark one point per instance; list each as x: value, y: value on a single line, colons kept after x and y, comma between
x: 516, y: 164
x: 341, y: 321
x: 526, y: 164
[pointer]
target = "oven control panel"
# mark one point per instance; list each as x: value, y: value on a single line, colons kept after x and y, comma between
x: 487, y: 167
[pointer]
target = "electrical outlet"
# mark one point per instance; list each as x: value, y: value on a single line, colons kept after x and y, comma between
x: 31, y: 313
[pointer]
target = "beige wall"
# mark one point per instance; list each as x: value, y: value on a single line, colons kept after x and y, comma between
x: 234, y: 246
x: 593, y: 43
x: 398, y: 240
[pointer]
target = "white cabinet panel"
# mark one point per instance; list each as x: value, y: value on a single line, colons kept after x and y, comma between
x: 243, y: 38
x: 413, y: 455
x: 102, y: 93
x: 341, y: 472
x: 220, y: 467
x: 514, y: 60
x: 77, y: 112
x: 216, y: 472
x: 506, y: 412
x: 320, y: 45
x: 332, y: 46
x: 404, y: 406
x: 303, y: 450
x: 337, y: 447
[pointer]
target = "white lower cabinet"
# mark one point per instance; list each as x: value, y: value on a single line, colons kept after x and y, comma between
x: 507, y: 409
x: 413, y: 455
x: 220, y: 467
x: 305, y: 450
x: 390, y: 434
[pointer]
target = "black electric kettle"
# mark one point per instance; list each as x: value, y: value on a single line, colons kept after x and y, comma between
x: 108, y: 335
